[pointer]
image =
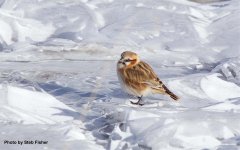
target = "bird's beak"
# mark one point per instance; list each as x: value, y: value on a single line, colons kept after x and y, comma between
x: 121, y: 62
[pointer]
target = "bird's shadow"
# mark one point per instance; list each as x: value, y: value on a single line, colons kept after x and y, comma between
x: 71, y: 96
x: 67, y: 112
x: 118, y: 93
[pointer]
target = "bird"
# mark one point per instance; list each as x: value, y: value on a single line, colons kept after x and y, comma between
x: 137, y: 78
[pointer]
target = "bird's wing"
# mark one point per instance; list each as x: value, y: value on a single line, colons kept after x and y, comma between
x: 142, y: 73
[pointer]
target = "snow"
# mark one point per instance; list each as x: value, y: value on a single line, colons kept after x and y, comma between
x: 19, y: 29
x: 218, y: 89
x: 42, y: 108
x: 6, y: 32
x: 58, y: 81
x: 31, y: 108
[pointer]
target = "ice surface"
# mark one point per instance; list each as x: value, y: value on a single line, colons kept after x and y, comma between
x: 58, y: 81
x: 219, y: 89
x: 21, y: 108
x: 34, y: 107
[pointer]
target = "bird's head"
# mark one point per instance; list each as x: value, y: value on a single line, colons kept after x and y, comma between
x: 128, y: 59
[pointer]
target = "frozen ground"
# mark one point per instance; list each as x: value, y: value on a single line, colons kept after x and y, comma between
x: 58, y: 81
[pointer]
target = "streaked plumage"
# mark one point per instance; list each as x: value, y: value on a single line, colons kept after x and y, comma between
x: 138, y: 78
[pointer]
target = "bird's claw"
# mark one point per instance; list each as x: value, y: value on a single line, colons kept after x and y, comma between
x: 137, y: 103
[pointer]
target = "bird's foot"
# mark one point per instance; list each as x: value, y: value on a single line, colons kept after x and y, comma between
x: 139, y: 102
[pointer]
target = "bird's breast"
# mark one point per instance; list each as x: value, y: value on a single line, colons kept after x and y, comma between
x: 131, y: 87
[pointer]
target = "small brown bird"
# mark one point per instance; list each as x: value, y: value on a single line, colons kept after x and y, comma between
x: 138, y: 78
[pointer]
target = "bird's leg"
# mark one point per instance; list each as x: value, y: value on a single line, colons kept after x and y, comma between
x: 138, y: 102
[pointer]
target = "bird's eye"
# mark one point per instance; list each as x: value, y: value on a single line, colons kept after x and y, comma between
x: 127, y: 60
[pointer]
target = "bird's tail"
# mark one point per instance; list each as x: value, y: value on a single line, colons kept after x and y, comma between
x: 173, y: 96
